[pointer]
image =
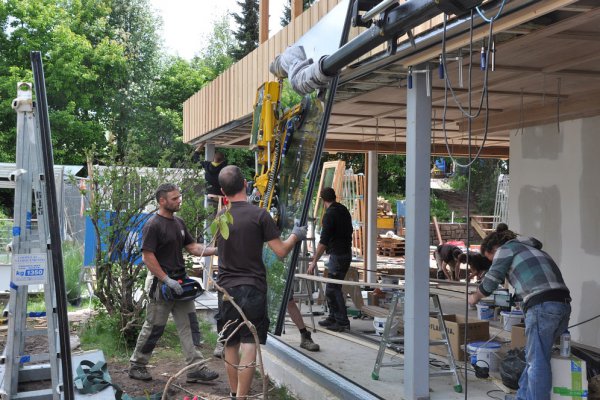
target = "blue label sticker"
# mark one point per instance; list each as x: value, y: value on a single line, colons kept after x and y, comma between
x: 13, y: 285
x: 16, y: 231
x: 28, y: 220
x: 24, y: 359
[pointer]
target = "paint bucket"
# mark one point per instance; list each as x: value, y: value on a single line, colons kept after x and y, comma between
x: 379, y: 325
x: 484, y: 311
x: 483, y: 354
x: 510, y: 318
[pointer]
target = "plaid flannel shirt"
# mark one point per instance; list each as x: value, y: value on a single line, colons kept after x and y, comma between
x: 530, y: 270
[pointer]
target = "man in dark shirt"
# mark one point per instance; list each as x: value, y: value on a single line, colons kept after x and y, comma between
x: 211, y: 175
x: 243, y: 274
x: 336, y: 239
x: 163, y: 238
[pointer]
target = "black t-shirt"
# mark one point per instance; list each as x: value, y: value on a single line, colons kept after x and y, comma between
x: 240, y: 256
x: 336, y: 231
x: 166, y: 237
x: 446, y: 250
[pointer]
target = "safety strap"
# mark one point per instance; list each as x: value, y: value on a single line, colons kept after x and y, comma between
x: 93, y: 377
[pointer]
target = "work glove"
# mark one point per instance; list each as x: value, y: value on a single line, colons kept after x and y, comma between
x: 300, y: 232
x: 173, y: 285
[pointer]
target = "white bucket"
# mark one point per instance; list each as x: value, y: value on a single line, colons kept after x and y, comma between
x: 379, y: 325
x: 484, y: 312
x: 510, y: 318
x: 483, y: 354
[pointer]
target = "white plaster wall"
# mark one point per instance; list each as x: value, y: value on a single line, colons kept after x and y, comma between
x: 555, y: 197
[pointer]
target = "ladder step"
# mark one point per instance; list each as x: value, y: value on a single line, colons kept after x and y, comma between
x: 438, y: 342
x: 43, y: 394
x: 27, y: 358
x: 441, y: 373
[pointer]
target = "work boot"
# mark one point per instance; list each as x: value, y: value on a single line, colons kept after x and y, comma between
x: 218, y: 352
x: 201, y: 375
x: 307, y: 343
x: 337, y: 327
x: 139, y: 373
x: 327, y: 322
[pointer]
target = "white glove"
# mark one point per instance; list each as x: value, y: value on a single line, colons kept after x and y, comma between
x: 300, y: 232
x: 173, y: 285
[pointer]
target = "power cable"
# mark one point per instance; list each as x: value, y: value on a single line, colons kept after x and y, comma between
x: 490, y: 20
x: 584, y: 322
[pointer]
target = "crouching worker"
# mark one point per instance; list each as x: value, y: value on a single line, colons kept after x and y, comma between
x: 243, y: 274
x: 447, y: 255
x: 163, y: 238
x: 478, y: 265
x: 546, y: 302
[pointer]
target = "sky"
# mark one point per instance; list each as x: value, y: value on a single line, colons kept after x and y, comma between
x: 188, y: 23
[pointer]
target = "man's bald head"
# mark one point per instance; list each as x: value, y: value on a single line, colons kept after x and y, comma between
x: 231, y: 180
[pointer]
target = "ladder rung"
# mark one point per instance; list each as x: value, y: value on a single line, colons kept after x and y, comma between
x: 35, y: 332
x: 441, y: 373
x: 437, y: 342
x: 391, y: 364
x: 27, y: 358
x: 34, y: 394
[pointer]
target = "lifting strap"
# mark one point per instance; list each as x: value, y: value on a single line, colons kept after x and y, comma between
x: 93, y: 378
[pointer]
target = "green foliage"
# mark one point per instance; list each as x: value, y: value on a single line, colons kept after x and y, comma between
x: 216, y: 57
x: 73, y: 262
x: 82, y: 62
x: 247, y: 34
x: 391, y: 175
x: 221, y: 225
x: 103, y: 331
x: 484, y: 180
x: 243, y: 158
x: 439, y: 209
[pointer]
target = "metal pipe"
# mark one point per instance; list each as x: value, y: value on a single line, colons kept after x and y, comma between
x: 369, y: 15
x: 397, y: 22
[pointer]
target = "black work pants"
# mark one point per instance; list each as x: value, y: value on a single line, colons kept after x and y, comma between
x: 337, y: 266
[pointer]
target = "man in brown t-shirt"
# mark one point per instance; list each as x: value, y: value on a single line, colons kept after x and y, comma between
x: 243, y: 274
x: 164, y: 236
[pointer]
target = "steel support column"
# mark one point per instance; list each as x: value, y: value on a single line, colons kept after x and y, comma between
x: 416, y: 311
x: 371, y: 255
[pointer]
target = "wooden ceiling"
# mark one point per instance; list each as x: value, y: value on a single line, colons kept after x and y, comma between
x: 547, y: 70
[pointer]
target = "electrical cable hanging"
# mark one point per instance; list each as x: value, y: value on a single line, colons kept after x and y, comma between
x: 484, y: 94
x: 490, y: 20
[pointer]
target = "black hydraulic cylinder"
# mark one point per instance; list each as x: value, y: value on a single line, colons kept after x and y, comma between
x: 397, y: 21
x: 53, y: 223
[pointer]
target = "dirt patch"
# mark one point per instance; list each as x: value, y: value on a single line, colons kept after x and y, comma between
x: 163, y: 365
x: 163, y: 370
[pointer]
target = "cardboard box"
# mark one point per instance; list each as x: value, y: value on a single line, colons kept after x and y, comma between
x: 455, y: 324
x: 569, y: 378
x: 517, y: 336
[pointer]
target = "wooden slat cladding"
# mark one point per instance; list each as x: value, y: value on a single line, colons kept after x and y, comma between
x: 231, y: 95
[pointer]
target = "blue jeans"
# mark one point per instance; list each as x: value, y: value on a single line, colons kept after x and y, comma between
x: 337, y: 268
x: 544, y: 323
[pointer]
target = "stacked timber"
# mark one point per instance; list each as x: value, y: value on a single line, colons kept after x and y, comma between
x: 390, y: 245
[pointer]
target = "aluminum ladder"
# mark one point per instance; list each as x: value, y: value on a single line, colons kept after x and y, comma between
x: 32, y: 265
x: 388, y: 339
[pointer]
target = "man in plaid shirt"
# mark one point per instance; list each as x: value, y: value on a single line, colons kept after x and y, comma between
x: 546, y: 301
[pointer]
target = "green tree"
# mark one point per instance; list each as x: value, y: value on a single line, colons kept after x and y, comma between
x: 81, y: 63
x: 247, y: 33
x: 287, y: 11
x: 134, y: 27
x: 216, y: 57
x: 484, y: 180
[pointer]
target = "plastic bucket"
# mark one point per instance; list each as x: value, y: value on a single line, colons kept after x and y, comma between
x: 510, y: 318
x: 379, y: 325
x: 484, y: 312
x: 483, y: 354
